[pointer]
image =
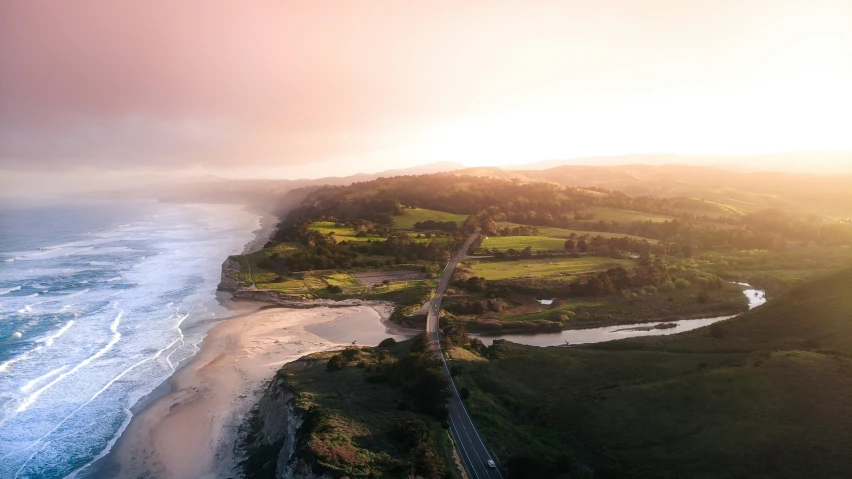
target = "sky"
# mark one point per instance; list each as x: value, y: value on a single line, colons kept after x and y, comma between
x: 320, y: 88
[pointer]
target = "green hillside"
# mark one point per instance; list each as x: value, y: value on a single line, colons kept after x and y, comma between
x: 765, y: 395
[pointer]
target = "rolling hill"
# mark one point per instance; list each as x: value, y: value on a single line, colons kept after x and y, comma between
x: 700, y: 189
x: 764, y: 395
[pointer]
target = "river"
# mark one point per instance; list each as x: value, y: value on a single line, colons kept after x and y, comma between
x: 755, y: 297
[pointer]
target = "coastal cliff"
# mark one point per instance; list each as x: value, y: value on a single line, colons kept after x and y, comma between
x: 276, y: 428
x: 229, y: 280
x: 357, y: 412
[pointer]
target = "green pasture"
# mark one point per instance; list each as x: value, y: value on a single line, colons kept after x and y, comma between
x: 406, y: 220
x: 565, y: 233
x: 624, y: 216
x: 497, y: 270
x: 521, y: 242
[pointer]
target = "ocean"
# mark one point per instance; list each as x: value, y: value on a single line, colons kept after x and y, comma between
x: 100, y: 302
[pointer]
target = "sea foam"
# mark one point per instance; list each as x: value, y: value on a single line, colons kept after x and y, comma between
x: 123, y: 308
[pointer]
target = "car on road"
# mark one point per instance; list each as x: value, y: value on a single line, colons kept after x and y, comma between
x: 491, y: 463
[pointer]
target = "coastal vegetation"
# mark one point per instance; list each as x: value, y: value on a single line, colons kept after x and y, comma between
x: 763, y: 395
x: 368, y: 412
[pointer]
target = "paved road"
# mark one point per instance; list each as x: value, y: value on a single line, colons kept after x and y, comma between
x: 470, y: 444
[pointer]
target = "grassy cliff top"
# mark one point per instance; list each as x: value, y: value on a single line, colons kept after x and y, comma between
x: 365, y: 413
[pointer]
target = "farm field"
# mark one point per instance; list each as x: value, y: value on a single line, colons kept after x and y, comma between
x: 497, y: 270
x: 345, y: 233
x: 406, y: 220
x: 521, y: 242
x: 373, y: 278
x: 342, y: 233
x: 564, y: 232
x: 624, y: 216
x: 251, y: 262
x: 698, y: 206
x: 314, y: 284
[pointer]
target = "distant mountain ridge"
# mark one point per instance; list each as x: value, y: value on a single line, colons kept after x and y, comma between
x: 819, y: 162
x: 213, y: 189
x: 745, y: 191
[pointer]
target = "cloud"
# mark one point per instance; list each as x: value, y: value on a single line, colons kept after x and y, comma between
x: 218, y: 83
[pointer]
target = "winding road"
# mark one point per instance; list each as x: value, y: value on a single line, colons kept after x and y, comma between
x: 469, y: 442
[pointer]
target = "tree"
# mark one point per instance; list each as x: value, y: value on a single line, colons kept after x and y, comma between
x: 582, y: 246
x: 420, y: 343
x: 570, y: 245
x: 606, y: 284
x: 595, y: 286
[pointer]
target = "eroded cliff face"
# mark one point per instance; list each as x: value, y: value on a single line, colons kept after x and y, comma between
x: 230, y: 275
x: 271, y: 447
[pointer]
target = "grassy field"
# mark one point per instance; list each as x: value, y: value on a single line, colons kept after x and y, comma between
x: 623, y: 216
x: 565, y: 233
x: 562, y: 267
x: 409, y: 216
x: 250, y: 269
x: 314, y: 284
x: 340, y: 233
x: 765, y: 395
x: 698, y: 206
x: 537, y: 243
x: 349, y: 234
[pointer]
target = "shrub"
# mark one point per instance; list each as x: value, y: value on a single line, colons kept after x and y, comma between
x: 334, y: 289
x: 386, y: 343
x: 718, y: 331
x: 682, y: 283
x: 351, y: 353
x: 420, y: 343
x: 561, y: 316
x: 336, y: 363
x: 667, y: 286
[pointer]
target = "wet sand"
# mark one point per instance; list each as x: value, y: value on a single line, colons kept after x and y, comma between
x: 191, y: 431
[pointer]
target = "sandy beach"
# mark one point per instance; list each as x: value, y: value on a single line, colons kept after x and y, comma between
x: 190, y: 432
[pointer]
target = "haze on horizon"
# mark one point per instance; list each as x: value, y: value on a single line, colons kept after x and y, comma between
x: 296, y: 89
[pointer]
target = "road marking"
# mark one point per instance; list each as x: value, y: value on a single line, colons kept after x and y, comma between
x: 464, y: 451
x: 467, y: 435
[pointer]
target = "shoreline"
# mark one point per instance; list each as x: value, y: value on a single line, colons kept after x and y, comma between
x: 192, y: 430
x: 267, y: 229
x: 189, y: 426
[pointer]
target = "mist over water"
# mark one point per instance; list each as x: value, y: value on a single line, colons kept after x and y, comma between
x: 99, y: 303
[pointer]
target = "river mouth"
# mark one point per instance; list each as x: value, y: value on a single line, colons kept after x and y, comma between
x: 567, y: 337
x: 364, y: 327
